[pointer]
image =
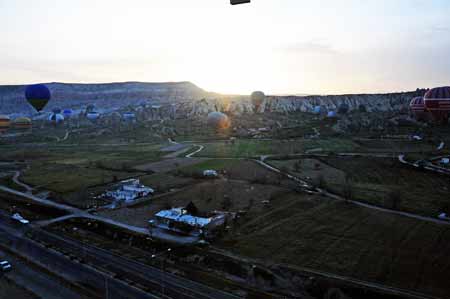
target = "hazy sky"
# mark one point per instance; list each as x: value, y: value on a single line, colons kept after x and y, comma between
x: 279, y: 46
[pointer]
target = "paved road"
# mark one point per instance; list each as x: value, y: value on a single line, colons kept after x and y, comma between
x: 37, y: 281
x: 92, y: 281
x: 77, y: 213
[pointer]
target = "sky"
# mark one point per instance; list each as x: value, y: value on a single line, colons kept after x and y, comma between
x: 278, y: 46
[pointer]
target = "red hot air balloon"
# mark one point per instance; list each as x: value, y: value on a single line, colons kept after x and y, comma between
x: 437, y: 101
x: 417, y: 106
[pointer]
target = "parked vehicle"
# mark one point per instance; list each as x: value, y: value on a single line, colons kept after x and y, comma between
x: 5, y: 266
x: 19, y: 218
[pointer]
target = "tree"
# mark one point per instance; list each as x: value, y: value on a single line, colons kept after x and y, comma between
x: 348, y: 191
x: 395, y: 200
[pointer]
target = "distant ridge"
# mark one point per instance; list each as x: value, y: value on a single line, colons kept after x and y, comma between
x: 77, y: 95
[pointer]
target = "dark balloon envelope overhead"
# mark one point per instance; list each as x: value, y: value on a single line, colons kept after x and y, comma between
x: 38, y: 96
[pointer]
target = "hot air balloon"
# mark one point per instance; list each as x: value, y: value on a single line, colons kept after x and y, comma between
x: 331, y: 114
x: 93, y: 116
x: 343, y: 108
x: 56, y: 118
x: 317, y: 110
x: 38, y: 96
x: 5, y: 123
x: 129, y: 116
x: 90, y: 108
x: 257, y: 98
x: 67, y: 113
x: 417, y: 106
x: 22, y: 123
x: 362, y: 108
x: 218, y: 120
x: 437, y: 101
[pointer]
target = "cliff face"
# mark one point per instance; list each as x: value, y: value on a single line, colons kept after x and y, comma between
x: 187, y: 100
x: 286, y: 104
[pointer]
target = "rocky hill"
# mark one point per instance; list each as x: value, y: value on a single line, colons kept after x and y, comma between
x: 109, y: 95
x: 189, y: 100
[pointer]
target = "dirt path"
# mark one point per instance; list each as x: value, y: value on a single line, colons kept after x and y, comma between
x: 201, y: 147
x: 18, y: 182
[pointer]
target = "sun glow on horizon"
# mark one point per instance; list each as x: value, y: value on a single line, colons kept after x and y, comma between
x: 281, y: 47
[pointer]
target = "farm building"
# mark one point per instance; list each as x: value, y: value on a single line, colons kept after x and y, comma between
x: 130, y: 190
x: 180, y: 220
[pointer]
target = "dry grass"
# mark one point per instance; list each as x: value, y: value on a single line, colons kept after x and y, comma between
x: 352, y: 241
x: 207, y: 196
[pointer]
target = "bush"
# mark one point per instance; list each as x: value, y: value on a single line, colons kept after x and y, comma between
x: 394, y: 199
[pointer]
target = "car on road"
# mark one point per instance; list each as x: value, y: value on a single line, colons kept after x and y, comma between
x: 19, y: 218
x: 5, y: 266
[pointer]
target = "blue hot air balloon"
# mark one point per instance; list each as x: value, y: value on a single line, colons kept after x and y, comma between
x: 67, y: 113
x: 129, y: 116
x: 93, y: 116
x: 38, y: 96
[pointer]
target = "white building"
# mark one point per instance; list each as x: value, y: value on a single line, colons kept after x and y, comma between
x: 210, y: 173
x: 130, y: 190
x: 178, y: 220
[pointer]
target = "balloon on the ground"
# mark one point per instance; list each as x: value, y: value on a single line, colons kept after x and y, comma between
x: 362, y: 108
x: 417, y: 106
x: 5, y: 123
x: 129, y: 116
x: 218, y: 120
x: 22, y: 123
x: 93, y: 116
x: 38, y: 96
x: 343, y: 108
x: 90, y: 108
x: 437, y: 101
x: 257, y: 98
x: 331, y: 114
x: 67, y: 113
x: 317, y: 110
x: 56, y: 118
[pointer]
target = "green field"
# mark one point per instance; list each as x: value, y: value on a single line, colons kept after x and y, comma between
x: 353, y: 241
x: 247, y: 148
x: 64, y: 178
x: 216, y: 164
